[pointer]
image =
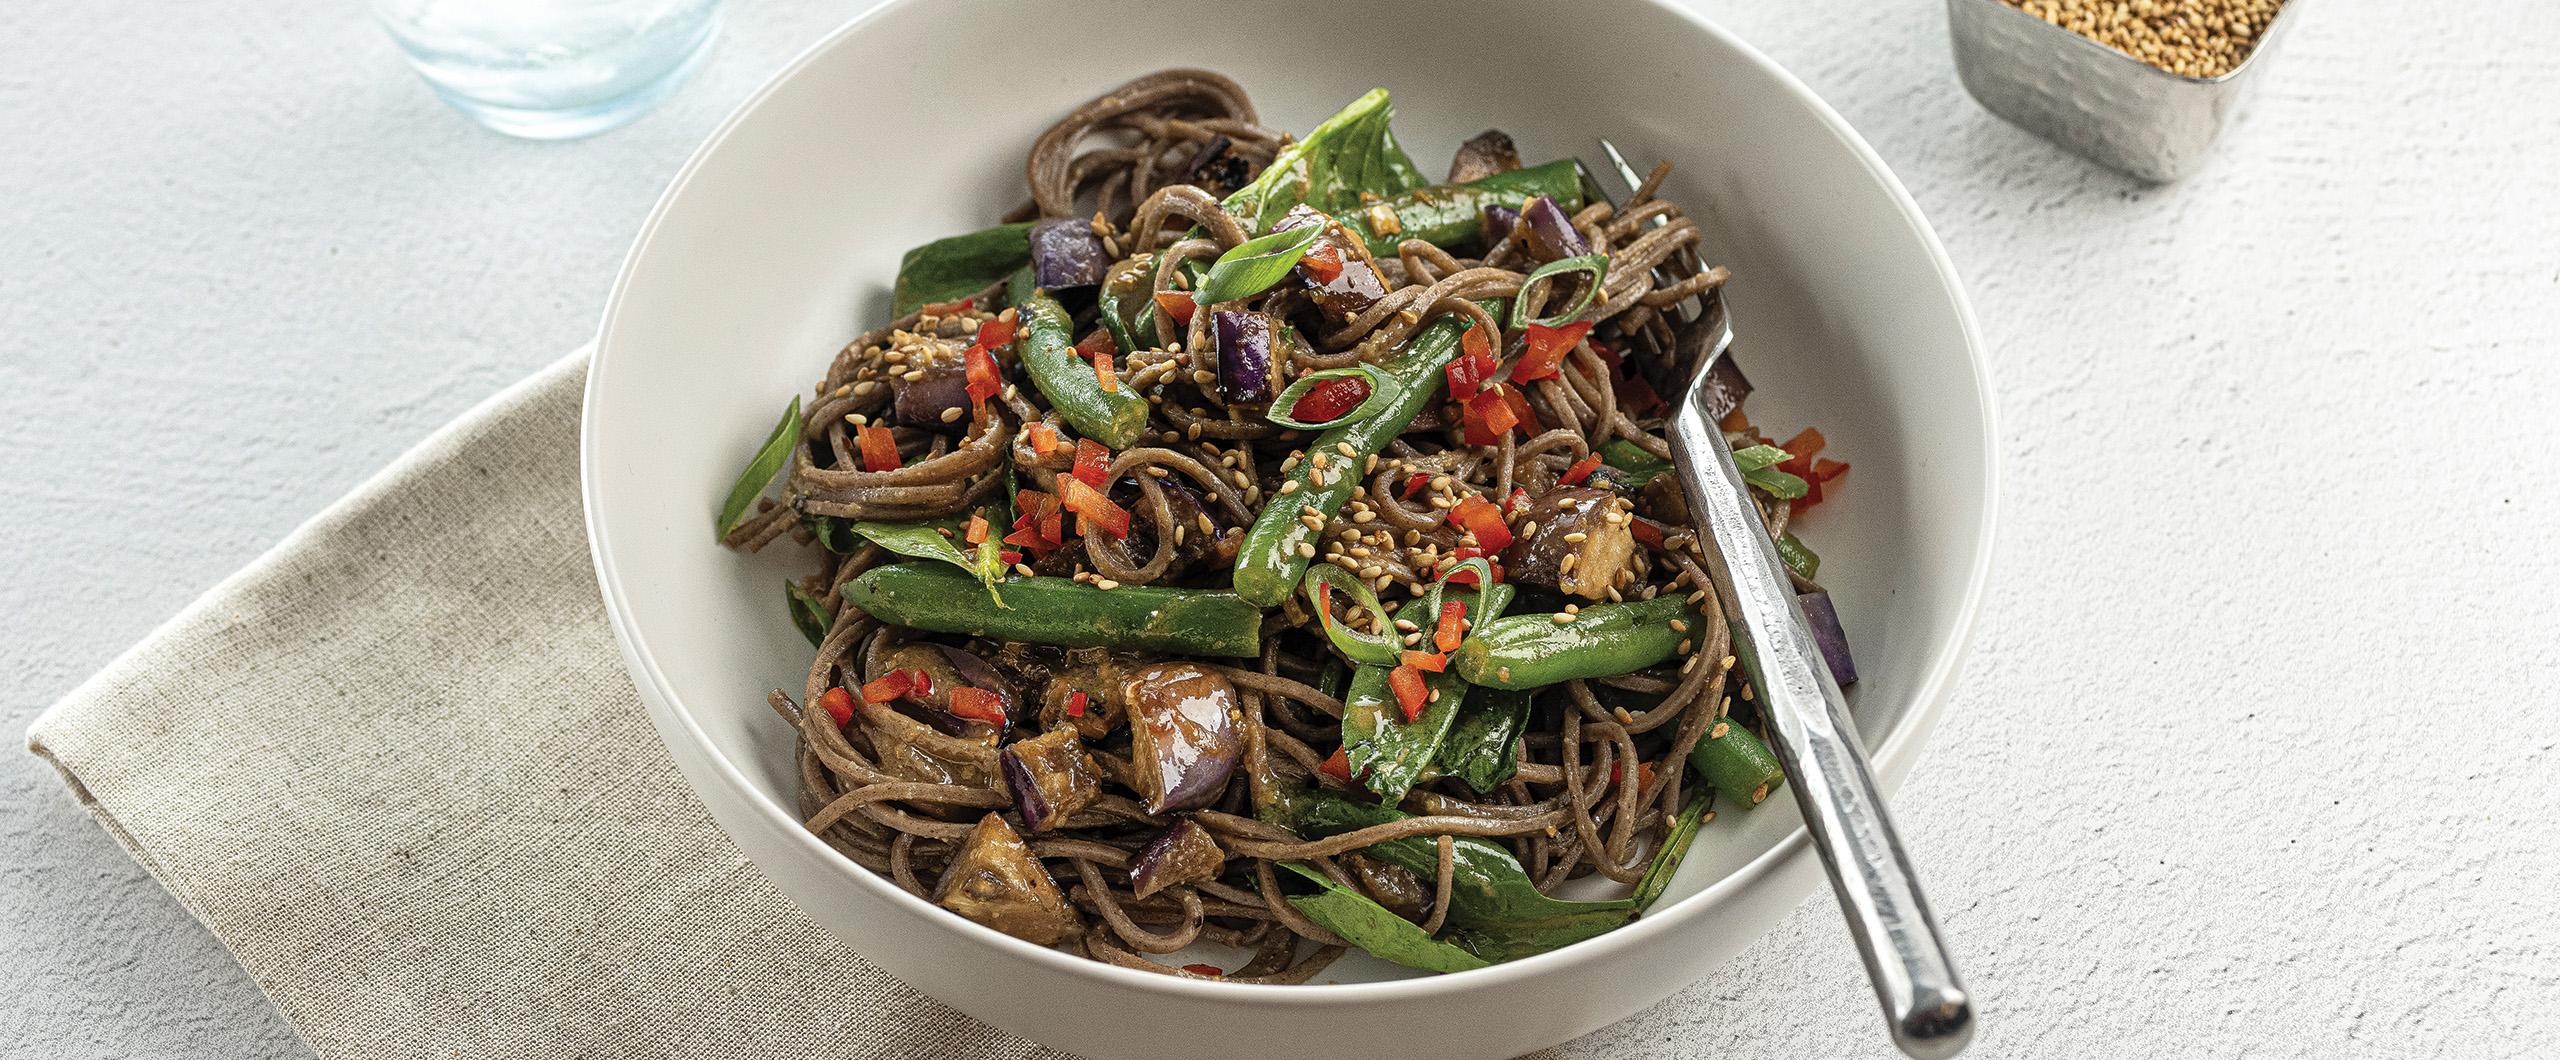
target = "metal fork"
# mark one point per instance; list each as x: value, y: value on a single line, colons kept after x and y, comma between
x: 1926, y: 1006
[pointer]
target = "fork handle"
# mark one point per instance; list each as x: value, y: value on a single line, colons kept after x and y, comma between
x: 1930, y: 1013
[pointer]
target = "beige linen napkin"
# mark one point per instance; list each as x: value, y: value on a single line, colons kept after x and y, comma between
x: 396, y: 766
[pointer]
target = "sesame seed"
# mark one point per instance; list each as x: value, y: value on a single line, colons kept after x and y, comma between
x: 1678, y: 626
x: 866, y: 388
x: 1684, y: 650
x: 1410, y: 639
x: 1406, y: 625
x: 1573, y: 609
x: 1531, y: 527
x: 1362, y: 517
x: 1575, y: 538
x: 951, y: 414
x: 1720, y: 730
x: 1317, y: 460
x: 1563, y: 617
x: 1697, y: 596
x: 1306, y: 551
x: 1345, y: 449
x: 1623, y: 717
x: 1242, y: 480
x: 1569, y: 559
x: 1313, y: 523
x: 1105, y: 583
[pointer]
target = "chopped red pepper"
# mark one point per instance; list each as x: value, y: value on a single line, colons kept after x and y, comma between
x: 1479, y: 516
x: 1098, y: 342
x: 984, y: 380
x: 838, y: 704
x: 1177, y: 305
x: 1519, y: 499
x: 890, y: 686
x: 1322, y: 264
x: 1093, y: 508
x: 924, y: 683
x: 1580, y: 470
x: 977, y: 533
x: 1026, y: 507
x: 995, y: 333
x: 1452, y: 627
x: 1093, y: 459
x: 1102, y: 372
x: 1202, y: 969
x: 1331, y: 399
x: 1411, y: 694
x: 1634, y: 394
x: 1646, y: 534
x: 879, y: 450
x: 1075, y: 704
x: 1339, y: 766
x: 1414, y: 484
x: 1010, y: 557
x: 1522, y: 416
x: 1487, y: 416
x: 1436, y: 662
x: 1044, y: 438
x: 1053, y: 520
x: 1545, y: 348
x: 1027, y: 537
x: 1470, y: 370
x: 1464, y: 553
x: 1606, y: 354
x: 978, y: 704
x: 948, y: 309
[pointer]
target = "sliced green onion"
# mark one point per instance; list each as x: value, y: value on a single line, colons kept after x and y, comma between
x: 1383, y: 391
x: 1374, y: 648
x: 1595, y: 264
x: 1759, y: 456
x: 760, y: 471
x: 1251, y: 267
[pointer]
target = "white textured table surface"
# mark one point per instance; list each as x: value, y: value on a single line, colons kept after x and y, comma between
x: 2256, y: 753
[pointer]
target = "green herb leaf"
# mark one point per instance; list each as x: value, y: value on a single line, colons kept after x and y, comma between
x: 1595, y: 264
x: 1251, y: 267
x: 1633, y: 459
x: 1491, y: 896
x: 1388, y: 753
x: 807, y: 613
x: 1799, y: 558
x: 1675, y: 846
x: 1777, y: 483
x: 1755, y: 457
x: 959, y: 266
x: 1377, y: 648
x: 926, y: 539
x: 1373, y: 928
x: 760, y: 471
x: 1350, y: 153
x: 1383, y: 391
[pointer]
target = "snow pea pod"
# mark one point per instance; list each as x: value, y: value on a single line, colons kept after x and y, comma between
x: 1278, y: 548
x: 1115, y: 418
x: 1385, y: 751
x: 945, y: 599
x: 1528, y: 651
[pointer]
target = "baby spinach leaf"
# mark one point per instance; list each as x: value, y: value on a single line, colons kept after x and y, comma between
x: 1631, y: 458
x: 1369, y: 925
x: 1251, y: 267
x: 1483, y: 748
x: 807, y: 613
x: 1385, y: 751
x: 1352, y: 152
x: 1492, y: 897
x: 767, y: 463
x: 942, y: 539
x: 959, y: 266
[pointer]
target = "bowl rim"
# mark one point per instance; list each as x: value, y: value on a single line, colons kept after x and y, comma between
x: 1928, y: 703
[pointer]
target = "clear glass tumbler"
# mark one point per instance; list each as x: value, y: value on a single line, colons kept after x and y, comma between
x: 553, y: 69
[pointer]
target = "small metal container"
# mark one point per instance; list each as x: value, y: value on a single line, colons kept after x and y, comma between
x: 2100, y: 103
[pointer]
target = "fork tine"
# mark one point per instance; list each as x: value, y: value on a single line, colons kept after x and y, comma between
x: 1626, y: 173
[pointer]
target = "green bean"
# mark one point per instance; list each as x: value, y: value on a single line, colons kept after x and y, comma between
x: 1737, y: 764
x: 1279, y: 547
x: 1527, y: 651
x: 1116, y: 418
x: 945, y: 599
x: 1451, y: 214
x: 1127, y: 277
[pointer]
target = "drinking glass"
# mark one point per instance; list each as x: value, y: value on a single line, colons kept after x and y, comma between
x: 552, y: 69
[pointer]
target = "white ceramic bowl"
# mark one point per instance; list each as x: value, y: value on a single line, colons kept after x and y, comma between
x: 776, y: 244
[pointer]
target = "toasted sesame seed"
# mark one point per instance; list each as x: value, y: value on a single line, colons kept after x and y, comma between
x: 1528, y: 528
x: 1563, y: 617
x: 1313, y: 522
x: 1573, y: 609
x: 1345, y: 449
x: 1410, y: 639
x: 1362, y: 517
x: 1105, y: 583
x: 1570, y: 558
x: 1623, y: 717
x: 1684, y: 645
x: 866, y: 388
x: 1678, y: 626
x: 953, y: 413
x: 1575, y: 538
x: 1316, y: 459
x: 1306, y: 551
x: 1406, y: 625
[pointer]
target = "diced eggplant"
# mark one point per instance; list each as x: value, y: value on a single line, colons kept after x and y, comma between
x: 1662, y: 501
x: 1185, y: 734
x: 1551, y: 235
x: 1217, y: 169
x: 1049, y: 779
x: 1390, y: 885
x: 1182, y: 853
x: 1244, y: 357
x: 1095, y: 672
x: 1489, y: 153
x: 933, y: 707
x: 912, y: 750
x: 1351, y: 291
x: 926, y: 402
x: 1568, y: 541
x: 994, y: 880
x: 1834, y: 641
x: 1498, y: 221
x: 1197, y: 548
x: 1066, y: 254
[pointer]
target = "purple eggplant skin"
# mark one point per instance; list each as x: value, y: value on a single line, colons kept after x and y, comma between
x: 1551, y: 235
x: 1185, y: 734
x: 1244, y: 357
x: 1065, y: 254
x: 1498, y: 220
x: 995, y: 880
x: 975, y: 672
x: 1049, y: 778
x: 1546, y: 533
x: 924, y: 403
x: 1490, y: 152
x: 1824, y: 619
x: 1183, y: 853
x: 1350, y: 292
x: 1217, y: 169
